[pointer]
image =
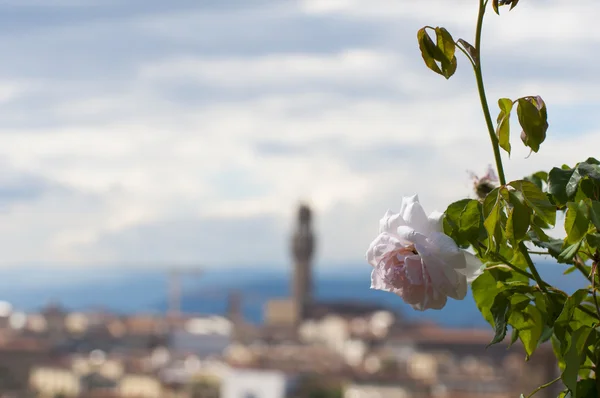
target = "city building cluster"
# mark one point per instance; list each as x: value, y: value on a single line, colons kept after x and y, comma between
x: 303, y: 349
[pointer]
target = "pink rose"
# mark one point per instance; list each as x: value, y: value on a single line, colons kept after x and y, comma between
x: 413, y: 258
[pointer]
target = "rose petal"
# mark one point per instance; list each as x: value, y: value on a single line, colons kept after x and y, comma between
x: 444, y: 278
x: 414, y: 270
x: 377, y: 281
x: 436, y: 301
x: 424, y: 280
x: 409, y: 235
x: 406, y: 200
x: 443, y: 246
x: 432, y: 299
x: 382, y: 244
x: 415, y: 216
x: 473, y: 269
x: 390, y: 222
x: 435, y: 222
x: 442, y: 257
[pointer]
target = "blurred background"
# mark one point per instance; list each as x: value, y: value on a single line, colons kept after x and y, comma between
x: 188, y: 189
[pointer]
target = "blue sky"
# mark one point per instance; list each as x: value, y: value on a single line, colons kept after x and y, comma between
x: 188, y: 131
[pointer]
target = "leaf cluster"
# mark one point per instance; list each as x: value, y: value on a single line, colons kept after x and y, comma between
x: 511, y: 222
x: 501, y: 229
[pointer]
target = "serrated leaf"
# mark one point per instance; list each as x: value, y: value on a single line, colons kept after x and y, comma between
x: 591, y: 170
x: 540, y: 239
x: 568, y: 253
x: 445, y: 42
x: 557, y: 184
x: 462, y: 221
x: 470, y: 220
x: 514, y: 337
x: 536, y: 200
x: 583, y: 172
x: 595, y: 213
x: 492, y: 208
x: 558, y: 348
x: 485, y: 289
x: 530, y: 323
x: 533, y: 119
x: 573, y: 183
x: 537, y: 235
x: 566, y: 315
x: 550, y: 304
x: 538, y: 179
x: 542, y: 175
x: 500, y: 310
x: 588, y: 189
x: 573, y: 358
x: 519, y: 217
x: 593, y: 240
x: 428, y: 50
x: 570, y: 270
x: 547, y: 333
x: 576, y: 221
x: 446, y: 45
x: 439, y: 57
x: 503, y: 120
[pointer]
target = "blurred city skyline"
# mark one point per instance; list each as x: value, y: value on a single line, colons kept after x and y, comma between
x: 188, y: 132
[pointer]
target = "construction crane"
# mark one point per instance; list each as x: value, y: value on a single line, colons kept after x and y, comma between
x: 175, y: 289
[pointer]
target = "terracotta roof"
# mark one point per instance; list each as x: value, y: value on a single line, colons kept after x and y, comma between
x: 24, y: 344
x: 425, y: 333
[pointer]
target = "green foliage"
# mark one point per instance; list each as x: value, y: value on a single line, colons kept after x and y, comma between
x: 500, y: 311
x: 439, y: 56
x: 497, y: 3
x: 503, y: 130
x: 536, y: 200
x: 567, y: 184
x: 576, y: 221
x: 514, y: 220
x: 533, y: 118
x: 558, y: 179
x: 463, y: 222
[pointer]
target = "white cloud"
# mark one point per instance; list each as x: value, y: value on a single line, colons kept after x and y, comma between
x: 165, y: 148
x: 355, y: 67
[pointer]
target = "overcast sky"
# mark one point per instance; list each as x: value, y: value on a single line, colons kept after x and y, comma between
x: 189, y: 130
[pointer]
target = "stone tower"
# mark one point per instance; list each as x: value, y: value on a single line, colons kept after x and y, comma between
x: 302, y: 251
x: 235, y: 314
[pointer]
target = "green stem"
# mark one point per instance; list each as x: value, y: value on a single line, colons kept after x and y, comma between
x: 466, y: 55
x: 594, y: 295
x: 543, y: 285
x: 482, y: 96
x: 539, y: 280
x: 580, y: 265
x: 514, y: 267
x: 532, y: 268
x: 543, y: 386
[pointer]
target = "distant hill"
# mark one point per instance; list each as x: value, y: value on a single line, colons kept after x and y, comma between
x: 128, y: 290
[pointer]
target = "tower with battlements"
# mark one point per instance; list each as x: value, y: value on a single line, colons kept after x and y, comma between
x: 303, y: 246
